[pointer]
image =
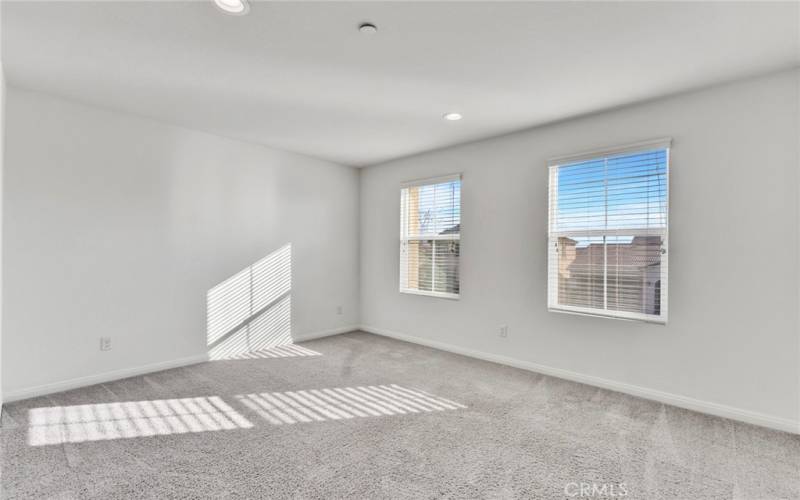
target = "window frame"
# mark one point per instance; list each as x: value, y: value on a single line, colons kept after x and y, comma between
x: 554, y: 164
x: 404, y: 237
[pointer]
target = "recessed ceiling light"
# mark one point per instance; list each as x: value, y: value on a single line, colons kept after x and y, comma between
x: 233, y: 7
x: 452, y: 117
x: 368, y: 29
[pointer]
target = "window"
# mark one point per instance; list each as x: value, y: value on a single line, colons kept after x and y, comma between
x: 608, y: 232
x: 430, y: 236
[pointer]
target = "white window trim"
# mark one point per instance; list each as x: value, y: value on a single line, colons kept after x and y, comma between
x: 452, y: 237
x: 431, y: 180
x: 552, y: 294
x: 635, y: 147
x: 620, y: 315
x: 440, y: 295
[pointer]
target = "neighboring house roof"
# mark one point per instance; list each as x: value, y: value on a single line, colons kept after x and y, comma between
x: 642, y: 251
x: 452, y: 230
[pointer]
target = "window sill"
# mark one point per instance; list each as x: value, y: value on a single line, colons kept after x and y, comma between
x: 600, y: 313
x: 441, y: 295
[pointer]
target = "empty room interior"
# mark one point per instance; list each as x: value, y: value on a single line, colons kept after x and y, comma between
x: 233, y: 263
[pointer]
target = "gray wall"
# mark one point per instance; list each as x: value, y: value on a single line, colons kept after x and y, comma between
x: 732, y: 337
x: 118, y: 226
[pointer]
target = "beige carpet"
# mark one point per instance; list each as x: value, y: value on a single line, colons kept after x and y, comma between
x: 360, y: 416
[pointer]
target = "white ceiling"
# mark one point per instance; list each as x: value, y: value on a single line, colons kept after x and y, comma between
x: 299, y: 76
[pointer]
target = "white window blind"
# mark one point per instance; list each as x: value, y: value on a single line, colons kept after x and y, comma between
x: 608, y: 232
x: 430, y: 236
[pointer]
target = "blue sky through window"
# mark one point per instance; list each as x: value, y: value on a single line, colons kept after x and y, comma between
x: 627, y: 191
x: 439, y: 207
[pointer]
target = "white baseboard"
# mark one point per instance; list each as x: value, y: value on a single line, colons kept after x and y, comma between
x: 75, y: 383
x: 302, y: 337
x: 747, y: 416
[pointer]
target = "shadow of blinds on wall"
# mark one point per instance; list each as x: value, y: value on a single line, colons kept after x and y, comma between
x: 251, y: 310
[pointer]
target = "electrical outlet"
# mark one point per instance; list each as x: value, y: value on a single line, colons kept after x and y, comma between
x: 339, y: 310
x: 504, y: 331
x: 105, y: 343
